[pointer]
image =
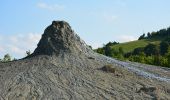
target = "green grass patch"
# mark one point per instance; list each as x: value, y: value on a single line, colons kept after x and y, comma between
x: 130, y: 46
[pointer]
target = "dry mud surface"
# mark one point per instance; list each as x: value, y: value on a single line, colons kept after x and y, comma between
x: 63, y: 67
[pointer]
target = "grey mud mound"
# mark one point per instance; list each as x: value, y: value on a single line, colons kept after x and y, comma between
x: 63, y: 67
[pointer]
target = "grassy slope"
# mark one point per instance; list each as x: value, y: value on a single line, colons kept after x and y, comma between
x: 130, y: 46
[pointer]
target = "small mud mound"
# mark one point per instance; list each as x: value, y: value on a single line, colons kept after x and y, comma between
x: 109, y: 68
x: 152, y: 91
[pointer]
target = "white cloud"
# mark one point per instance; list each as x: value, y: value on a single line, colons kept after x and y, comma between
x: 18, y: 44
x: 15, y: 49
x: 50, y: 7
x: 126, y: 38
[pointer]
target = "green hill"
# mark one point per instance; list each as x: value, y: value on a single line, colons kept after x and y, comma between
x: 130, y: 46
x: 154, y: 49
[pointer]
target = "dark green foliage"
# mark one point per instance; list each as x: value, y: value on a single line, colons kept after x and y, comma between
x: 115, y: 52
x: 167, y: 39
x: 160, y: 33
x: 164, y: 47
x: 127, y: 55
x: 100, y: 50
x: 149, y: 60
x: 142, y: 57
x: 157, y: 59
x: 168, y: 31
x: 151, y: 49
x: 137, y: 51
x: 149, y: 35
x: 111, y: 43
x: 153, y: 34
x: 108, y: 51
x: 142, y: 37
x: 164, y: 61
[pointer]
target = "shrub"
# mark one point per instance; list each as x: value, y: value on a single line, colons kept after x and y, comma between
x: 109, y: 68
x: 7, y: 58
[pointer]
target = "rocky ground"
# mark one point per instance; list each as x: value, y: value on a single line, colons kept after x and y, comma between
x: 63, y: 67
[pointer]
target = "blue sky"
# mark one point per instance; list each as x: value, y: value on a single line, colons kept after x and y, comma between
x: 96, y: 21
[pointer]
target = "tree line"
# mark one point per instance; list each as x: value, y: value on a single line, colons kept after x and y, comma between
x: 154, y: 54
x: 161, y: 33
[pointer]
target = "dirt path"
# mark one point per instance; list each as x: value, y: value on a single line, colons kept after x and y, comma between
x: 147, y: 71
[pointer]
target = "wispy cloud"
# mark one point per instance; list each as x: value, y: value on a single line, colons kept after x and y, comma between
x: 50, y: 7
x: 18, y: 44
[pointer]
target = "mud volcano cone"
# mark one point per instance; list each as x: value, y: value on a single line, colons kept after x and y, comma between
x: 60, y: 38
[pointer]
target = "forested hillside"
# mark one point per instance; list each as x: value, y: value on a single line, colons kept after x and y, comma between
x: 151, y: 48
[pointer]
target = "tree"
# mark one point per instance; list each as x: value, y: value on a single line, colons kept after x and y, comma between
x: 120, y: 56
x: 168, y: 31
x: 128, y: 55
x: 137, y: 51
x: 149, y: 35
x: 153, y: 34
x: 111, y: 43
x: 168, y: 39
x: 108, y: 51
x: 142, y: 57
x: 130, y: 58
x: 28, y: 52
x: 151, y: 49
x: 7, y: 58
x: 115, y: 53
x: 100, y: 50
x: 141, y: 37
x: 136, y: 58
x: 164, y: 47
x: 162, y: 32
x: 149, y: 60
x: 164, y: 61
x: 157, y: 59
